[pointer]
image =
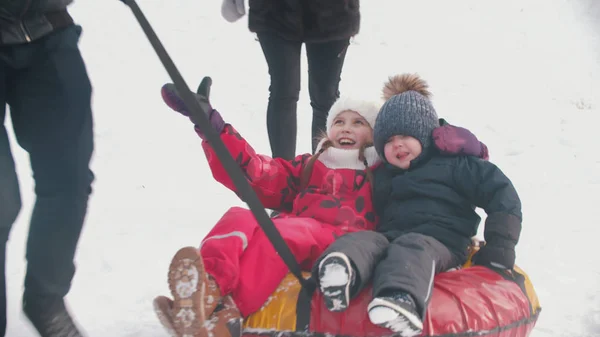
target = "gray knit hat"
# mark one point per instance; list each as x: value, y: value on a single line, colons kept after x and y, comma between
x: 407, y: 111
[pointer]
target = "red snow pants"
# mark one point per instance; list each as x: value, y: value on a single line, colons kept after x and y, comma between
x: 239, y: 256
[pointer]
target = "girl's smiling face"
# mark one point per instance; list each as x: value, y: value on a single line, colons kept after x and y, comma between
x: 350, y: 130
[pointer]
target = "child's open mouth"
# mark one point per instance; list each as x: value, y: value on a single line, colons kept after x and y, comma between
x: 402, y: 156
x: 346, y: 142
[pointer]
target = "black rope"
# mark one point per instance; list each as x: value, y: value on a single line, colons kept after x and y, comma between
x: 232, y: 168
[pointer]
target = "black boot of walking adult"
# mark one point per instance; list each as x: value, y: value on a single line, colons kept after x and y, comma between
x: 50, y: 316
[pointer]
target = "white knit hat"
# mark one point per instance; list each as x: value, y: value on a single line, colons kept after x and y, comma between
x: 367, y: 109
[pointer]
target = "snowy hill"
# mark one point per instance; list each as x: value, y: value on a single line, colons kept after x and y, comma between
x: 524, y: 76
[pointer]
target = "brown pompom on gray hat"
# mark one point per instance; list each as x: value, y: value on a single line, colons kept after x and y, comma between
x: 407, y: 111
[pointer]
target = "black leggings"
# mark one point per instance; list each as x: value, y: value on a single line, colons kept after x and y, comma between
x: 325, y: 63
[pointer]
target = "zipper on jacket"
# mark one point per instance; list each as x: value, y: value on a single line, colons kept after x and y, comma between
x: 27, y: 37
x: 21, y: 24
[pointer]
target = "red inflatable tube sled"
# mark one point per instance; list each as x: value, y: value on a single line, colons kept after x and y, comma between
x: 470, y: 301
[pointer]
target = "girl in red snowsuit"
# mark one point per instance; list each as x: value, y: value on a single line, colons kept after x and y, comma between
x: 321, y: 197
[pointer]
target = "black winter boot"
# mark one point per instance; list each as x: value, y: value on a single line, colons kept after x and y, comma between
x: 336, y: 278
x: 397, y: 312
x: 50, y: 317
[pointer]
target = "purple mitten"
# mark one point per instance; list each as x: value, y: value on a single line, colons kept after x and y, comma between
x: 172, y: 98
x: 454, y: 140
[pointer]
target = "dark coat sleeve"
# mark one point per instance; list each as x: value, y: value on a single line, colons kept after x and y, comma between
x: 487, y: 187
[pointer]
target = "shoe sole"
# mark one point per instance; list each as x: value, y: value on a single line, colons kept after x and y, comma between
x: 337, y: 296
x: 415, y: 323
x: 162, y: 310
x: 228, y: 321
x: 186, y: 282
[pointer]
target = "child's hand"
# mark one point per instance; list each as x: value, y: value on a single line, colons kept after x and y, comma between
x: 454, y: 140
x: 173, y: 99
x: 495, y: 256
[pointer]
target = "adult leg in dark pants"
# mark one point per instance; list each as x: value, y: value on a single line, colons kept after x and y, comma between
x: 345, y: 268
x: 325, y: 63
x: 403, y: 281
x: 283, y: 60
x: 49, y: 94
x: 10, y: 199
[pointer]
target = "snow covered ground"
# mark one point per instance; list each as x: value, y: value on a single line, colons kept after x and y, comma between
x: 524, y: 75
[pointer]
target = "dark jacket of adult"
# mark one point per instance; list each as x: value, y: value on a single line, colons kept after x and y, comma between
x: 305, y: 20
x: 23, y: 21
